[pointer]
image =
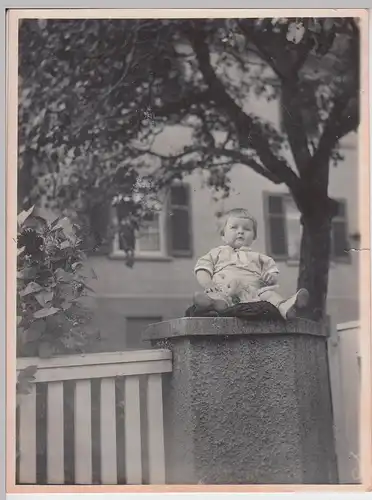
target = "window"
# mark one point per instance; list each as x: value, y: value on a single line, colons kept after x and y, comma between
x: 179, y: 221
x: 167, y: 232
x: 134, y: 331
x: 339, y: 241
x: 283, y: 229
x: 150, y: 239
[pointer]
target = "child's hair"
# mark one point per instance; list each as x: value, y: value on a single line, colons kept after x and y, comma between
x: 238, y: 212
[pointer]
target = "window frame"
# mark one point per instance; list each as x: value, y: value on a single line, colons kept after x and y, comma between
x: 166, y: 252
x: 267, y: 215
x: 346, y: 259
x: 146, y: 254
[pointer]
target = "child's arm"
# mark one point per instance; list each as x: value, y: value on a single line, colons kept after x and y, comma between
x: 270, y: 272
x: 270, y: 277
x: 204, y: 279
x: 204, y: 269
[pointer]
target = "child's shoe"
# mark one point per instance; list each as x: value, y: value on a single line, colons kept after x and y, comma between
x: 288, y: 308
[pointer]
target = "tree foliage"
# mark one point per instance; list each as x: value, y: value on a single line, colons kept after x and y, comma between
x: 83, y: 88
x: 91, y: 89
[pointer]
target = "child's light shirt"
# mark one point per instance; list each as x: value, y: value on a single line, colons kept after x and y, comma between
x: 226, y: 264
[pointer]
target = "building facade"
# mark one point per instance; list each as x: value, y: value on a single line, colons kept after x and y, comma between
x: 161, y: 283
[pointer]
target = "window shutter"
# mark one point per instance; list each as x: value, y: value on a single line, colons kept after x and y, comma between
x: 339, y: 240
x: 99, y: 241
x: 179, y: 228
x: 276, y: 236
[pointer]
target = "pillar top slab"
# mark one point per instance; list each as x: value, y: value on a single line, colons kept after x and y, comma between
x: 225, y: 326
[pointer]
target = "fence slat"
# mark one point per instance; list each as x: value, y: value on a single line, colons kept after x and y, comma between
x: 155, y: 429
x: 335, y: 374
x: 55, y: 429
x: 349, y: 350
x: 27, y: 437
x: 83, y: 433
x: 133, y: 463
x: 108, y: 432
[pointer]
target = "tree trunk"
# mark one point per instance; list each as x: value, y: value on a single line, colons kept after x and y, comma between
x: 314, y: 262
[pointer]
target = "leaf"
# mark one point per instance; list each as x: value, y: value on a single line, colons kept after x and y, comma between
x: 43, y: 313
x: 67, y: 228
x: 44, y: 297
x: 63, y: 276
x: 19, y: 319
x: 27, y: 372
x: 94, y: 275
x: 76, y: 265
x: 314, y: 25
x: 35, y: 331
x: 66, y: 305
x: 20, y: 250
x: 27, y: 273
x: 328, y: 24
x: 65, y: 244
x: 295, y: 32
x: 23, y: 387
x: 55, y: 222
x: 30, y: 288
x: 25, y: 379
x: 66, y: 292
x: 24, y: 215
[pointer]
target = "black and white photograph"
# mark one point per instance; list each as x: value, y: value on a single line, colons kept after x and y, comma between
x: 190, y: 248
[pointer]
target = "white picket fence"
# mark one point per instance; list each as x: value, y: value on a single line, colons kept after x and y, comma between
x: 131, y: 365
x: 344, y: 366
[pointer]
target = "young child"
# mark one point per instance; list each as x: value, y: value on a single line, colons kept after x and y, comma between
x: 233, y: 273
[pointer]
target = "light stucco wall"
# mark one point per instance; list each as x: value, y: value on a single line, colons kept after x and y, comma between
x: 164, y: 289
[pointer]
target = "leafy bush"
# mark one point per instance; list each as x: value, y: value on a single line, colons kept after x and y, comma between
x: 51, y: 281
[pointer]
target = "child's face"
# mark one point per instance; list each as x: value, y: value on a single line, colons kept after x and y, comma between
x: 238, y: 232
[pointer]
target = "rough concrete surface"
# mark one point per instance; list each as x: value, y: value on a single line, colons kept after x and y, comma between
x: 246, y: 403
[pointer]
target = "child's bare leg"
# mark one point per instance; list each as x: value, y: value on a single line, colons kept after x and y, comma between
x: 287, y: 307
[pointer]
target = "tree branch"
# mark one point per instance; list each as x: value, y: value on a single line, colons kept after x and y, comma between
x: 294, y: 125
x: 339, y: 123
x: 249, y: 131
x: 83, y: 122
x: 236, y: 156
x: 303, y: 52
x: 248, y: 29
x: 280, y: 62
x: 243, y: 159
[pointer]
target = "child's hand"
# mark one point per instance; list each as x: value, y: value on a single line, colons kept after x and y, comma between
x: 228, y: 289
x: 213, y: 288
x: 269, y: 278
x: 224, y: 289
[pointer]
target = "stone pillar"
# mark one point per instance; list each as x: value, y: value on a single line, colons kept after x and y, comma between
x: 247, y: 402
